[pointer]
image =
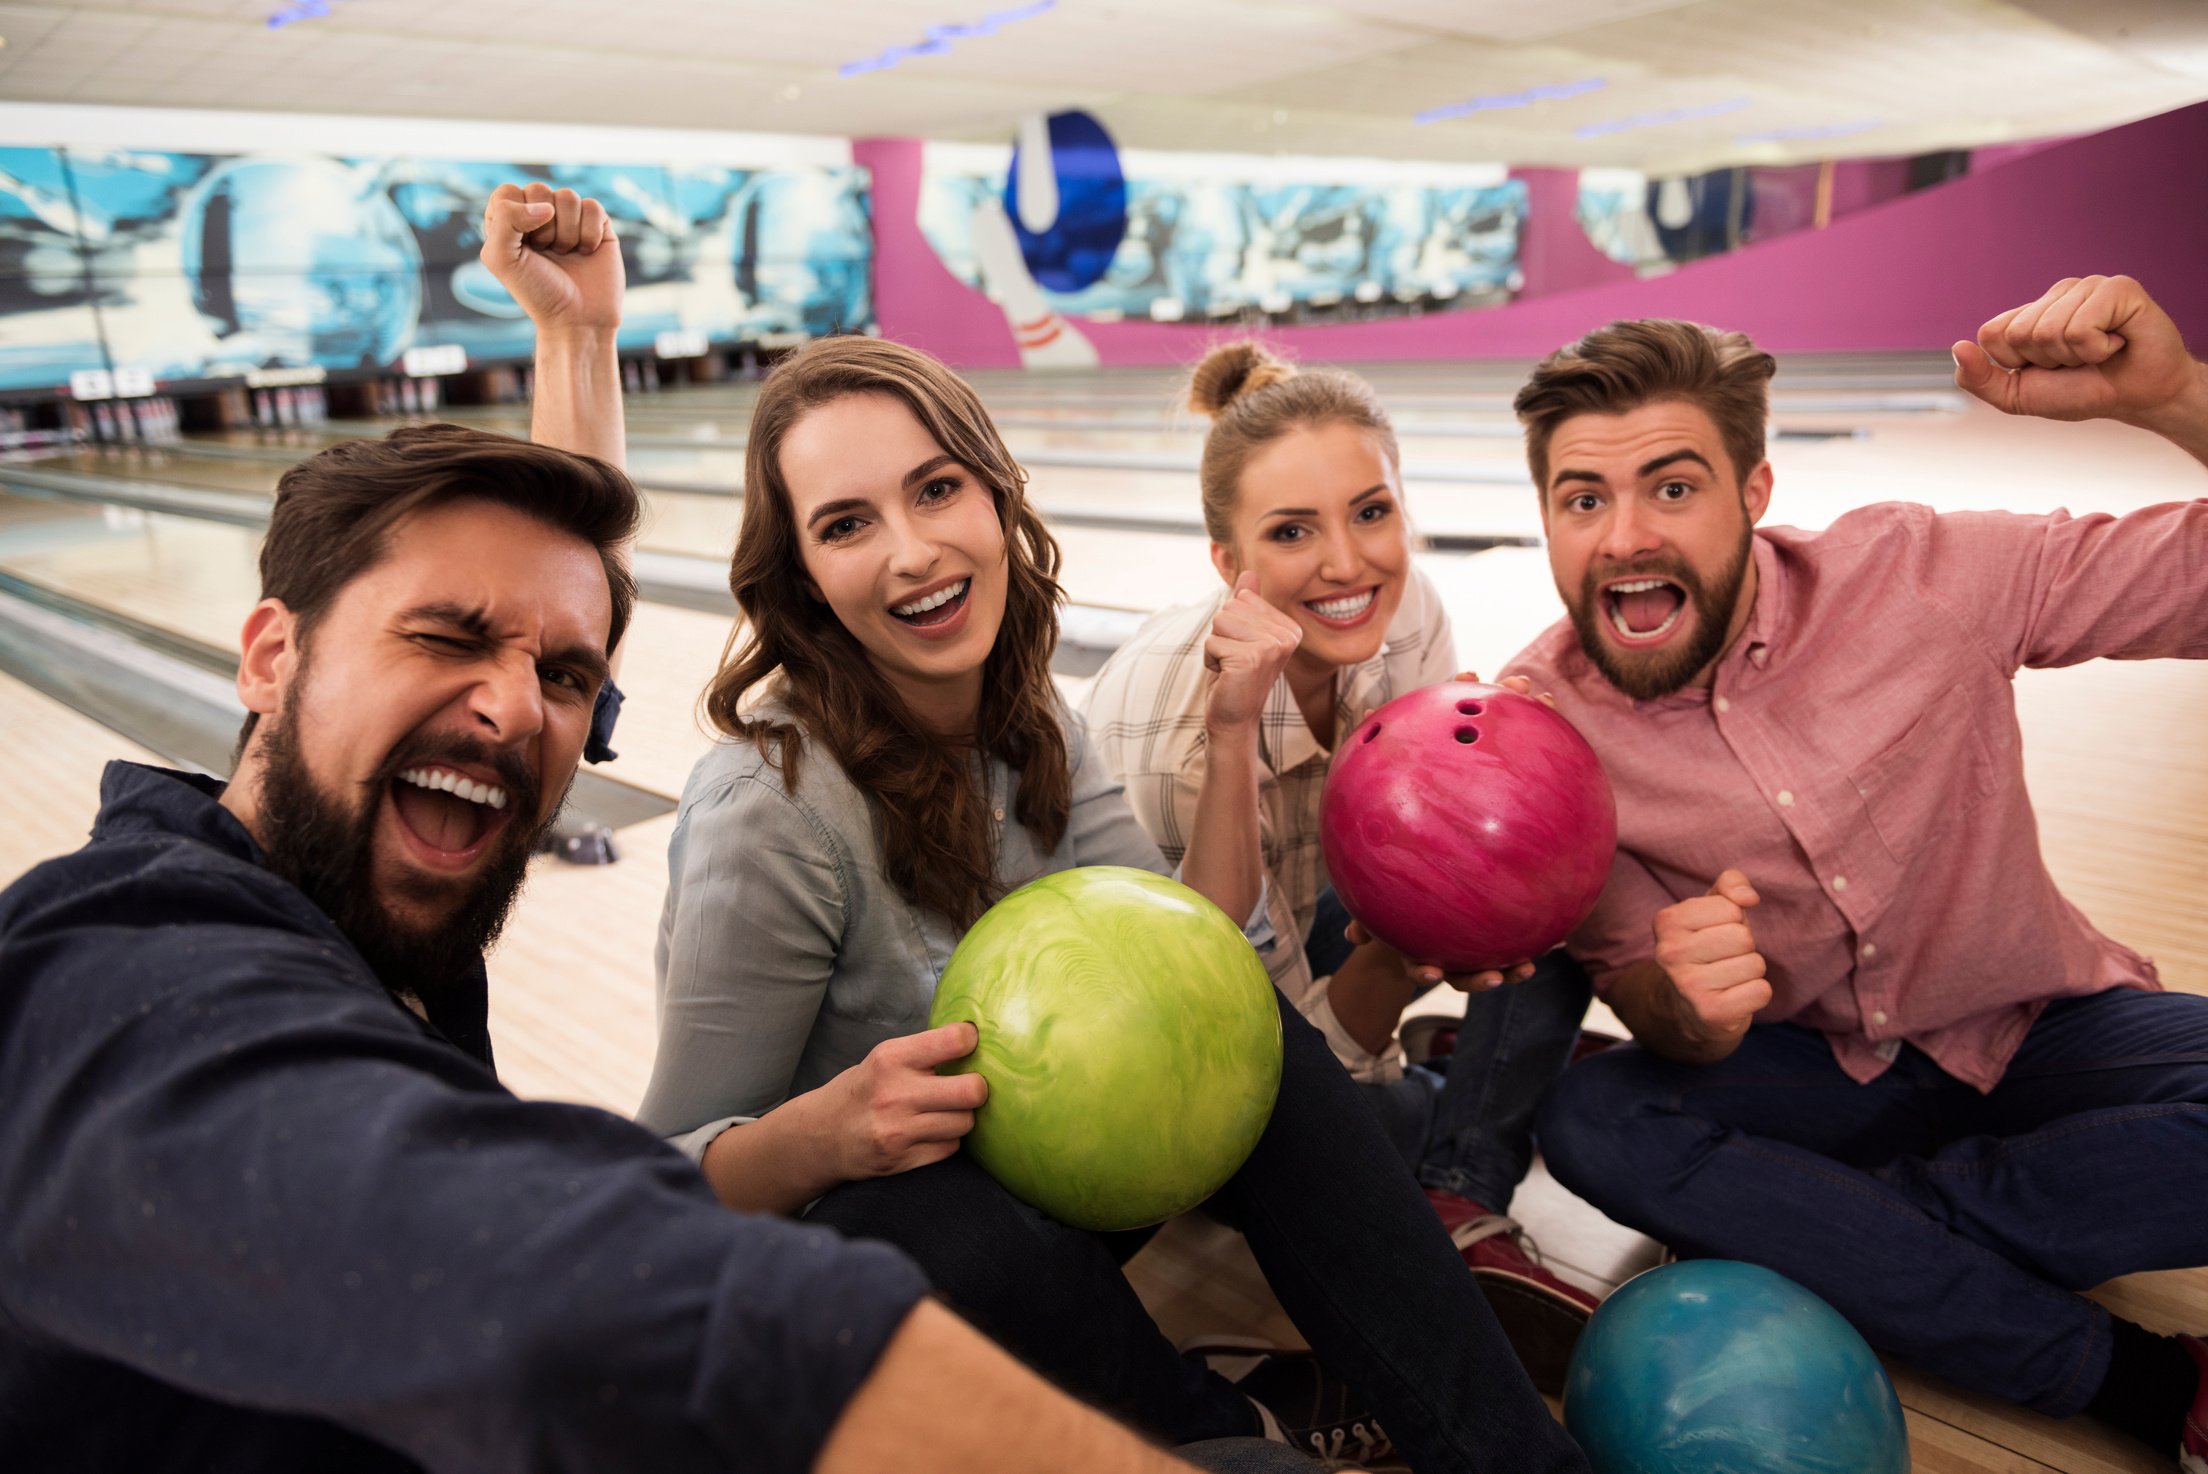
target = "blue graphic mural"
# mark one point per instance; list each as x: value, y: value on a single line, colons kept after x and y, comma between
x: 192, y: 266
x: 1199, y: 248
x: 1091, y: 219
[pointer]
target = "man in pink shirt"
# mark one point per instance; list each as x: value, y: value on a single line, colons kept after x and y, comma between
x: 1874, y: 1047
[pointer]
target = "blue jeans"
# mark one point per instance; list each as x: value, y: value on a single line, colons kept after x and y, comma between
x: 1952, y: 1228
x: 1466, y: 1126
x: 1346, y: 1240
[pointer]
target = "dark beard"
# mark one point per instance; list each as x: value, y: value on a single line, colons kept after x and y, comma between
x: 1644, y: 678
x: 327, y: 849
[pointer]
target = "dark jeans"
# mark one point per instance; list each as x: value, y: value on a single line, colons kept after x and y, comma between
x: 1346, y: 1240
x: 1468, y: 1129
x: 1952, y: 1228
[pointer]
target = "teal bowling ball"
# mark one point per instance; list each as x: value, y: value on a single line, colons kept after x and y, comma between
x: 1129, y: 1038
x: 1717, y: 1367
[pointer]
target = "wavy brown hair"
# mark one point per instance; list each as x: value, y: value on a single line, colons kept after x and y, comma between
x: 939, y: 838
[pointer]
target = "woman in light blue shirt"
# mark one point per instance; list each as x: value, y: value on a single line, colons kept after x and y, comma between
x: 896, y: 757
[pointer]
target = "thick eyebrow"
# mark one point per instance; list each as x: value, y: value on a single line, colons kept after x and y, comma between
x: 1377, y: 489
x: 587, y: 659
x: 926, y: 469
x: 837, y: 508
x: 1648, y: 468
x: 476, y: 621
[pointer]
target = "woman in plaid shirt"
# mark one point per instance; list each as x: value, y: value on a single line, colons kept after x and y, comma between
x: 1301, y: 490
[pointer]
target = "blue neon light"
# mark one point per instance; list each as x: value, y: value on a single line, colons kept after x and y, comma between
x: 1497, y: 102
x: 299, y: 11
x: 1656, y: 120
x: 938, y: 39
x: 1827, y: 130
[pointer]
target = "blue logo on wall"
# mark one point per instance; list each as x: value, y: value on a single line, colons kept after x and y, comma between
x: 1079, y: 244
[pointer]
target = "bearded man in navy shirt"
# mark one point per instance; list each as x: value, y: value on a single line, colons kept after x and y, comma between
x: 263, y: 1203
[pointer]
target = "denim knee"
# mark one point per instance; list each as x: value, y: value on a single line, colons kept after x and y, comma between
x: 1584, y: 1124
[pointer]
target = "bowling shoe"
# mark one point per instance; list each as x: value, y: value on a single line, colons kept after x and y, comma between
x: 2192, y: 1448
x: 1301, y: 1403
x: 1540, y: 1313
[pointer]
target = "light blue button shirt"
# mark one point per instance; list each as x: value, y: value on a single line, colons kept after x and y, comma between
x: 785, y: 953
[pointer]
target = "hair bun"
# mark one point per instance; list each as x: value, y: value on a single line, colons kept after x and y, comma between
x: 1232, y: 370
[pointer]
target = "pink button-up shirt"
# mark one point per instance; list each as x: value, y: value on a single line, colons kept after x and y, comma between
x: 1858, y: 756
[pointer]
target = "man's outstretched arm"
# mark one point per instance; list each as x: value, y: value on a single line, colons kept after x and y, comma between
x: 945, y: 1398
x: 2091, y: 348
x: 556, y: 253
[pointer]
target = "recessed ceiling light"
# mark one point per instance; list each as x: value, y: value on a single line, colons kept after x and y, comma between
x: 1500, y: 101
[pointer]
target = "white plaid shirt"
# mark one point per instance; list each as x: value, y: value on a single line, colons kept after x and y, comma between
x: 1146, y: 714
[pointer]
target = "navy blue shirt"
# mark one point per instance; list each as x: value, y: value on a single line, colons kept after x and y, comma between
x: 257, y: 1215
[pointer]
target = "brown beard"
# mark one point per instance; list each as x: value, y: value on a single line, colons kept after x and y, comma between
x: 326, y: 847
x: 1646, y: 677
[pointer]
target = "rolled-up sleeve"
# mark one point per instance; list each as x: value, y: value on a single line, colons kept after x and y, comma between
x: 2056, y: 590
x: 1103, y: 830
x: 757, y: 889
x: 1621, y: 930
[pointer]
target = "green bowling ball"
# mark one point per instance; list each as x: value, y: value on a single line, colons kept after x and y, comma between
x: 1130, y: 1042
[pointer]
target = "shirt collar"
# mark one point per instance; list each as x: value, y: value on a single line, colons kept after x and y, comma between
x: 1285, y: 740
x: 1767, y: 616
x: 137, y: 798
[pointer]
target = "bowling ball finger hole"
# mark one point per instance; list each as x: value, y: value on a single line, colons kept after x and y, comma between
x: 1468, y: 734
x: 1371, y: 732
x: 1470, y: 709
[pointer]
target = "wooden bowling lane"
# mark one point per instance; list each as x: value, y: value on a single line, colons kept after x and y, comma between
x: 55, y: 756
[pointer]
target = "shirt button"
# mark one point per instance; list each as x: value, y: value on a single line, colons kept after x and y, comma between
x: 1870, y: 950
x: 1000, y: 815
x: 1839, y: 882
x: 1888, y: 1050
x: 1723, y: 705
x: 1786, y: 798
x: 1879, y: 1018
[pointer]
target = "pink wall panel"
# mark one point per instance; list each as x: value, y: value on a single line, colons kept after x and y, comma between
x: 1915, y: 272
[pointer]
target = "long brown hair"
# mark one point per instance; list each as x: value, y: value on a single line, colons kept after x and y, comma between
x: 1253, y: 397
x: 939, y: 838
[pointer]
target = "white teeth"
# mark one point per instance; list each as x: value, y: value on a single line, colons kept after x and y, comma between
x: 1348, y: 608
x: 1640, y: 586
x: 444, y: 780
x: 935, y: 600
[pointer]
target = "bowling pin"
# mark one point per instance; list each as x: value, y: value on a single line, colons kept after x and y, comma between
x: 1036, y: 187
x: 433, y: 395
x: 1046, y: 340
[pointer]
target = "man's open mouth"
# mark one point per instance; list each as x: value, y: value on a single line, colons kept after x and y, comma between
x: 935, y: 608
x: 1641, y: 610
x: 449, y: 814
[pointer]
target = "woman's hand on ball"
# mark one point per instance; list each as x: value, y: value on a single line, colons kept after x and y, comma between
x: 896, y: 1113
x: 1247, y: 649
x: 1427, y: 975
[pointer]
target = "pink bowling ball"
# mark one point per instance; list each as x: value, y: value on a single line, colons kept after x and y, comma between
x: 1467, y: 826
